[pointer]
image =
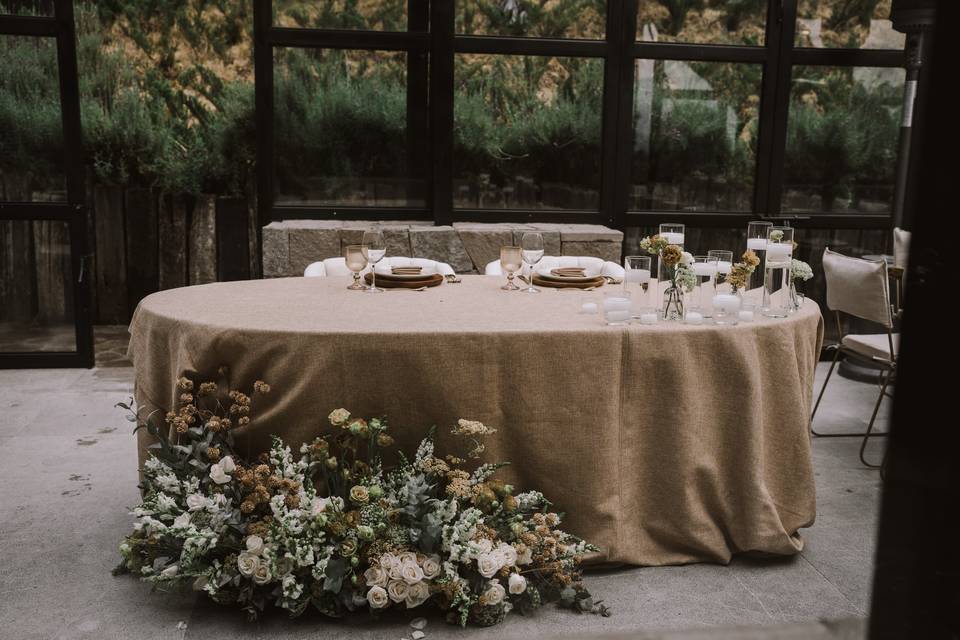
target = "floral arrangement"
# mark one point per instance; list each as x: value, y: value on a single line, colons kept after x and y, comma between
x: 740, y: 272
x: 676, y: 262
x: 800, y: 270
x: 334, y: 528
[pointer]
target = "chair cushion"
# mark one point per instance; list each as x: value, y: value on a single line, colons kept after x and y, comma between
x: 858, y: 287
x: 872, y: 345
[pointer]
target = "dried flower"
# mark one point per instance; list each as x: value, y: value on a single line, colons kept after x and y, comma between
x: 339, y: 417
x: 185, y: 384
x: 261, y: 387
x: 671, y: 255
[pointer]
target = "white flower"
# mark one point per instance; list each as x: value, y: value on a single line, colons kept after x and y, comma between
x: 255, y: 545
x: 200, y: 583
x: 686, y: 258
x: 196, y: 502
x: 395, y: 571
x: 218, y: 474
x: 375, y: 576
x: 247, y: 563
x: 494, y: 594
x: 489, y: 563
x: 484, y: 545
x: 262, y: 574
x: 517, y: 583
x: 431, y: 567
x: 411, y: 573
x: 377, y: 597
x: 387, y: 561
x: 417, y: 594
x: 170, y: 571
x: 508, y: 553
x: 182, y: 520
x: 166, y: 503
x: 407, y: 557
x: 526, y: 557
x: 319, y: 506
x: 227, y: 464
x: 397, y: 590
x: 339, y: 417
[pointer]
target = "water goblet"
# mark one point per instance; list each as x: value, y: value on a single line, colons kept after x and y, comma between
x: 531, y: 244
x: 356, y: 261
x: 511, y: 259
x: 376, y: 249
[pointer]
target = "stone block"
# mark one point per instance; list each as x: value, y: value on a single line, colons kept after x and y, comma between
x: 440, y: 243
x: 551, y: 239
x: 276, y: 251
x: 589, y: 233
x: 310, y: 243
x: 606, y: 250
x: 483, y: 241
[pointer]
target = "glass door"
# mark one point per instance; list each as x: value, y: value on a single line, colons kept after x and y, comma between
x: 44, y: 309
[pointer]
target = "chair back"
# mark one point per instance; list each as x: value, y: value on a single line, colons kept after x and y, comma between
x: 857, y: 287
x: 901, y: 247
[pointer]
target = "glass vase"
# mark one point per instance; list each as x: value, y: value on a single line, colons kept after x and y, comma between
x: 794, y: 298
x: 672, y: 303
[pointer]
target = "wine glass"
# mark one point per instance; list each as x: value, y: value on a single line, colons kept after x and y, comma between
x: 511, y: 259
x: 532, y: 245
x: 376, y: 249
x: 356, y: 262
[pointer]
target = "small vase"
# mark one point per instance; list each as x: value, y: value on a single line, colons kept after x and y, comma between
x: 794, y: 299
x: 672, y: 303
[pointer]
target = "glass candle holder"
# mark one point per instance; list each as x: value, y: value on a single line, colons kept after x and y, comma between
x: 636, y: 280
x: 616, y: 307
x: 701, y: 301
x: 777, y: 273
x: 757, y: 233
x: 726, y: 308
x: 724, y: 262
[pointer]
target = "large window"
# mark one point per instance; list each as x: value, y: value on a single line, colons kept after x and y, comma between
x: 619, y: 112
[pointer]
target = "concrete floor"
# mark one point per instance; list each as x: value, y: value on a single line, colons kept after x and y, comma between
x: 68, y: 476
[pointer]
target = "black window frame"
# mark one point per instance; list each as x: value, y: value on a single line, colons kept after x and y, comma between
x: 619, y: 51
x: 60, y: 26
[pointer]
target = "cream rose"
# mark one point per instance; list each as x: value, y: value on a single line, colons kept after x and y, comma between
x: 227, y: 464
x: 494, y: 594
x: 254, y: 545
x: 394, y: 572
x: 509, y: 555
x: 182, y: 520
x: 686, y: 258
x: 517, y: 583
x: 262, y: 574
x: 338, y: 417
x: 218, y: 474
x: 406, y: 557
x: 417, y: 594
x: 375, y: 576
x: 484, y: 545
x: 359, y: 494
x: 387, y: 561
x: 489, y: 563
x: 431, y: 567
x: 411, y: 573
x: 196, y: 502
x: 377, y: 597
x: 247, y: 563
x: 525, y: 557
x: 397, y: 590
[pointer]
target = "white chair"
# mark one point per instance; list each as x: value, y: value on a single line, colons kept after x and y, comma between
x: 338, y: 266
x: 607, y: 268
x: 860, y: 288
x: 901, y: 256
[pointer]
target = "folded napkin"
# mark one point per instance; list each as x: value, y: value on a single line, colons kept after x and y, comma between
x: 575, y: 272
x: 406, y: 271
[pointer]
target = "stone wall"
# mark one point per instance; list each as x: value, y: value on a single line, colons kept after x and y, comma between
x: 290, y: 245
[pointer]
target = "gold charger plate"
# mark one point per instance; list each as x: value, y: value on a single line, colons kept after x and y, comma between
x: 392, y: 282
x: 540, y: 281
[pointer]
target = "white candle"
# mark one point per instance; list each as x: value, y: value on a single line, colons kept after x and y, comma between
x: 723, y: 266
x: 694, y: 318
x: 757, y: 244
x: 617, y: 316
x: 638, y: 275
x: 648, y: 318
x: 779, y: 251
x: 673, y: 237
x: 726, y: 302
x: 615, y: 303
x: 705, y: 268
x: 588, y: 307
x: 745, y: 315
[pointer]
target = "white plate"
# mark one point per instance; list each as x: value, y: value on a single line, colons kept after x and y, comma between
x: 425, y: 272
x: 588, y: 274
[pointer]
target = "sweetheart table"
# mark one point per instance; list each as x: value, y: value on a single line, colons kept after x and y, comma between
x: 664, y: 443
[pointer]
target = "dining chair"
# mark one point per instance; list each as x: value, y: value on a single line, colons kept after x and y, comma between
x: 901, y: 255
x: 860, y: 289
x: 607, y: 268
x: 338, y: 266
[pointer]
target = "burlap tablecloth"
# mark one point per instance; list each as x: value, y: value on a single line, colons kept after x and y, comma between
x: 663, y: 444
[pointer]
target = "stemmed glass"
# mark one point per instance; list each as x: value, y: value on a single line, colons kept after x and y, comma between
x: 511, y: 260
x: 532, y: 245
x: 376, y: 249
x: 356, y: 262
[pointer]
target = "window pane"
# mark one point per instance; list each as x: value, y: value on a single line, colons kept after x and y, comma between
x: 707, y: 22
x: 26, y: 7
x: 376, y: 15
x: 31, y: 129
x: 341, y: 132
x: 842, y: 136
x: 36, y: 294
x: 527, y: 132
x: 694, y: 135
x: 557, y: 19
x: 846, y: 24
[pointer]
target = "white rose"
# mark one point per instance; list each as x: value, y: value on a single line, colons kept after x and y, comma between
x: 407, y: 557
x: 484, y: 545
x: 170, y: 571
x: 377, y: 597
x: 387, y: 561
x: 431, y: 567
x: 526, y: 557
x: 509, y: 555
x: 319, y: 506
x: 397, y: 590
x: 394, y: 571
x: 517, y: 583
x: 218, y: 475
x: 262, y: 574
x: 686, y: 258
x: 247, y: 563
x: 376, y: 577
x: 255, y: 545
x: 411, y: 572
x: 227, y: 464
x: 488, y: 564
x: 494, y: 594
x: 196, y: 502
x: 417, y: 594
x: 182, y: 520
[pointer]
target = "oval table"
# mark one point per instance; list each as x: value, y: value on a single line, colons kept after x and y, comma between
x: 664, y: 443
